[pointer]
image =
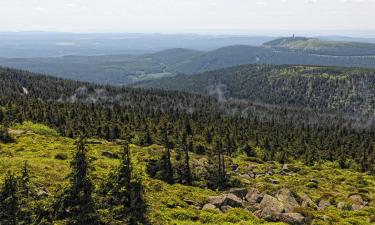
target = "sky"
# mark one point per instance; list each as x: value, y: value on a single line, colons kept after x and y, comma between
x: 185, y: 15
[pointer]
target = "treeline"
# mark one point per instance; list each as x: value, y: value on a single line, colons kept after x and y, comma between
x: 122, y: 196
x: 141, y: 116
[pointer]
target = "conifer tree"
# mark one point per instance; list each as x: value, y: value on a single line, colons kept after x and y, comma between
x: 124, y: 192
x: 77, y: 205
x: 9, y: 201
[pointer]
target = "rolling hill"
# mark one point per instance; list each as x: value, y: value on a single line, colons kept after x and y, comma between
x: 127, y: 69
x: 322, y: 47
x: 322, y: 88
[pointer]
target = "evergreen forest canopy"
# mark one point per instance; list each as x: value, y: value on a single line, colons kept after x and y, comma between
x: 143, y: 115
x: 325, y: 89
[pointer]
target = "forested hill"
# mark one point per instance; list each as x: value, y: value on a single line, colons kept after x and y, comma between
x: 126, y: 69
x: 322, y: 47
x: 350, y: 90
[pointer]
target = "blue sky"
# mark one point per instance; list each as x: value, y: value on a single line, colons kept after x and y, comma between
x: 185, y: 15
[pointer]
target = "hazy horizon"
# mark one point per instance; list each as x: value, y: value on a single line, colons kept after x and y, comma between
x: 267, y: 17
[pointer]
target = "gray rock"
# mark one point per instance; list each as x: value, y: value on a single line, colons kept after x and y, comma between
x: 323, y: 204
x: 225, y: 208
x: 110, y: 154
x: 286, y: 197
x: 356, y: 207
x: 292, y: 218
x: 270, y: 208
x: 239, y: 192
x: 232, y: 200
x: 356, y: 199
x: 208, y: 206
x: 254, y: 196
x: 307, y: 202
x: 216, y: 200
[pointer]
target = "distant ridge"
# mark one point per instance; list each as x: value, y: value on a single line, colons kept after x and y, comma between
x: 322, y: 47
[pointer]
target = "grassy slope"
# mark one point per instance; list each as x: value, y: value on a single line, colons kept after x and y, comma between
x: 167, y: 206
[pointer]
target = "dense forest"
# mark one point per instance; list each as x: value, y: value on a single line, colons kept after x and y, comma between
x: 325, y: 89
x: 144, y: 115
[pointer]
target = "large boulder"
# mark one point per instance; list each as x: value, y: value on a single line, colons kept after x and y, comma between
x: 292, y: 218
x: 286, y: 197
x: 270, y: 208
x: 239, y: 192
x: 254, y: 196
x: 232, y: 200
x: 217, y: 201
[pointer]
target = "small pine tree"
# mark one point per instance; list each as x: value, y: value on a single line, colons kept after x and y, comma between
x: 9, y: 201
x: 76, y: 205
x: 124, y: 192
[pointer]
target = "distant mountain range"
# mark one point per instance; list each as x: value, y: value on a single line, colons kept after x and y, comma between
x: 127, y: 69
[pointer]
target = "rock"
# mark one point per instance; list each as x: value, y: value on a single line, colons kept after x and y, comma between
x: 110, y: 154
x: 208, y: 206
x: 216, y: 200
x: 286, y: 197
x: 307, y: 202
x: 270, y: 208
x: 232, y: 200
x: 239, y: 192
x: 254, y: 196
x: 225, y: 208
x: 356, y: 207
x: 356, y: 199
x: 292, y: 218
x: 323, y: 204
x: 252, y: 207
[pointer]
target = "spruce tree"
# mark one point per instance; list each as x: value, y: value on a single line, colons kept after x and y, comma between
x: 124, y: 193
x: 77, y: 205
x: 9, y: 201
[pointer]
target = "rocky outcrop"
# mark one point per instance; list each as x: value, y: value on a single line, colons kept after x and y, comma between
x: 270, y: 208
x: 232, y: 200
x: 286, y: 197
x: 254, y: 196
